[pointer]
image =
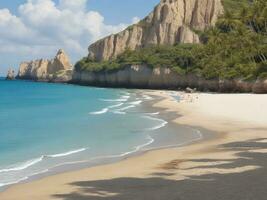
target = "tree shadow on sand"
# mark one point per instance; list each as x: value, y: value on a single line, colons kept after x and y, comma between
x: 248, y: 185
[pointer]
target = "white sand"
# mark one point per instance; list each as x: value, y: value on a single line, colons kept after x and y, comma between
x: 246, y: 108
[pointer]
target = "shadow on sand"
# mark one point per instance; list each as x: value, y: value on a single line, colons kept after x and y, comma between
x: 249, y: 185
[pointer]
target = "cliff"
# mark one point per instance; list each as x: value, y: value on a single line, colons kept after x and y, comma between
x: 171, y: 22
x: 58, y: 69
x: 142, y: 76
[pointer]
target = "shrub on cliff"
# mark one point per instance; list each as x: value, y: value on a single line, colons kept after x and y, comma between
x: 235, y: 48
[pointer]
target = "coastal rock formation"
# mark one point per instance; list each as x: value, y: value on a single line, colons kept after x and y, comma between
x: 10, y: 74
x: 172, y: 21
x: 142, y: 76
x: 260, y: 87
x: 58, y: 69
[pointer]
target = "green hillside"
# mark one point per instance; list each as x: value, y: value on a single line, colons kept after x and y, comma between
x: 235, y: 48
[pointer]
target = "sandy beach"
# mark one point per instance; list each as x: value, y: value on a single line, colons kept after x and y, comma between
x: 231, y: 165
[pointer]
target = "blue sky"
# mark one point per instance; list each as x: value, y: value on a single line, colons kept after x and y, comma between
x: 32, y: 29
x: 114, y: 11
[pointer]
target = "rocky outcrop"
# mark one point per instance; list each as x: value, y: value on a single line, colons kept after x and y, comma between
x: 142, y: 76
x: 10, y: 74
x: 172, y: 21
x: 58, y: 69
x: 260, y: 87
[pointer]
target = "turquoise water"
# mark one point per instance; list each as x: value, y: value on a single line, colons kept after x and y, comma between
x: 43, y: 126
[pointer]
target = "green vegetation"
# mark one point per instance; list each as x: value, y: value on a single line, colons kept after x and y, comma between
x: 86, y: 64
x: 235, y: 5
x: 235, y: 48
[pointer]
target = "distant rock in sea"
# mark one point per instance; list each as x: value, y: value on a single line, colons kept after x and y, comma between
x: 58, y: 69
x: 10, y: 74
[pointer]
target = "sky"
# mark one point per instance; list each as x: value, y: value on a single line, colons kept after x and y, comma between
x: 34, y: 29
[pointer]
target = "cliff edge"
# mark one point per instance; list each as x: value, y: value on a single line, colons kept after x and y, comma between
x: 145, y: 77
x: 58, y: 69
x: 171, y: 22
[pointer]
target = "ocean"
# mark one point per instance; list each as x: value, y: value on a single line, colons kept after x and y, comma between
x: 46, y: 127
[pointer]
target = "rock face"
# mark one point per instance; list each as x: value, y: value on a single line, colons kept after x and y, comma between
x: 142, y: 76
x: 58, y: 69
x: 10, y: 74
x: 172, y: 21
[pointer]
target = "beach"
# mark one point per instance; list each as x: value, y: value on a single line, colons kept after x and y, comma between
x: 230, y: 165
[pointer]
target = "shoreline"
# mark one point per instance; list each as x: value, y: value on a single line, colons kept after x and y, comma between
x: 166, y: 162
x: 159, y: 141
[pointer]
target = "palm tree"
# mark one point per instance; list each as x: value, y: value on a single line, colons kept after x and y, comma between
x: 256, y: 10
x: 228, y: 22
x: 263, y: 19
x: 215, y: 35
x: 246, y: 17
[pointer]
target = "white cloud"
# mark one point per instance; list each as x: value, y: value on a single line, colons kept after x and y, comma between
x: 42, y: 26
x: 75, y: 5
x: 11, y: 27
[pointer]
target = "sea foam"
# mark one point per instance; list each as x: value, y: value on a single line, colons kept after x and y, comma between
x: 23, y: 166
x: 122, y: 98
x: 104, y: 110
x: 136, y: 102
x: 66, y: 153
x: 126, y: 108
x: 116, y: 106
x: 29, y: 163
x: 162, y: 124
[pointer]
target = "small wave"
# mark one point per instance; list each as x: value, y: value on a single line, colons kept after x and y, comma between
x: 32, y: 162
x: 114, y: 100
x: 23, y: 165
x: 151, y: 140
x: 200, y: 136
x: 125, y: 96
x: 66, y: 153
x: 126, y: 108
x: 13, y: 182
x: 159, y: 126
x: 40, y: 172
x: 116, y: 106
x: 23, y: 179
x: 163, y: 123
x: 155, y: 113
x: 136, y: 102
x: 136, y: 149
x: 122, y: 98
x: 147, y: 97
x: 104, y: 110
x: 118, y: 112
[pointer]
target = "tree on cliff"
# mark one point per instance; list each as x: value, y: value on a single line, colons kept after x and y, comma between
x: 235, y: 48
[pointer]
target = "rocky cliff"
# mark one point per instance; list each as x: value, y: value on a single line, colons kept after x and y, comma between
x: 172, y: 21
x: 142, y: 76
x: 10, y: 74
x: 58, y: 69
